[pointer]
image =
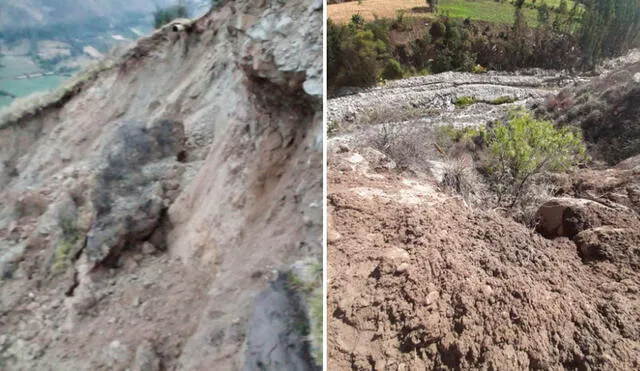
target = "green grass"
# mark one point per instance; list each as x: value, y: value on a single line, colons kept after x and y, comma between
x: 484, y: 10
x: 16, y: 65
x: 463, y: 102
x: 24, y: 87
x: 492, y: 11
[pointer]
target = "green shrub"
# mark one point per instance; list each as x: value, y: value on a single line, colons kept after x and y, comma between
x: 478, y: 69
x: 438, y: 30
x: 360, y: 51
x: 332, y: 128
x: 463, y: 102
x: 68, y: 239
x: 523, y: 147
x: 448, y: 135
x: 392, y: 70
x: 162, y: 16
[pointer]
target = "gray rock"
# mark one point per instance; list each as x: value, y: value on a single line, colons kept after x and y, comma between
x: 9, y: 258
x: 117, y: 356
x: 129, y: 190
x: 316, y: 4
x: 146, y: 358
x: 275, y: 340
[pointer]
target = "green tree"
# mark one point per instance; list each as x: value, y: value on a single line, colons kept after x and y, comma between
x: 162, y: 16
x: 608, y: 28
x: 433, y: 4
x: 361, y: 53
x: 544, y: 15
x: 392, y: 70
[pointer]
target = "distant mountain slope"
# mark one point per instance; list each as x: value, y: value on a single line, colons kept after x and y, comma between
x: 29, y: 13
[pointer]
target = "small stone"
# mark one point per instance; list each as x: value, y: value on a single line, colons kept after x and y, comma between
x: 432, y: 297
x: 138, y: 258
x: 136, y: 302
x: 403, y: 267
x: 316, y: 5
x: 117, y: 355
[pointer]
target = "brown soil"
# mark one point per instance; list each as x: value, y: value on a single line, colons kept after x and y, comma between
x: 438, y: 285
x: 247, y: 205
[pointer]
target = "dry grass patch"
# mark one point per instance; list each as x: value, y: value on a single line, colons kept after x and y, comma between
x: 341, y: 13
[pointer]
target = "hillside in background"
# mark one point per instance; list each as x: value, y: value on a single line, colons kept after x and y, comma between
x: 42, y: 42
x: 21, y: 14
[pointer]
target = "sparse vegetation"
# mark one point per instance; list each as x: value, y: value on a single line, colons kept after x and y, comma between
x: 513, y: 155
x: 163, y: 16
x: 463, y: 102
x: 523, y: 147
x: 405, y: 148
x: 308, y: 287
x: 68, y: 239
x: 316, y: 318
x: 332, y: 128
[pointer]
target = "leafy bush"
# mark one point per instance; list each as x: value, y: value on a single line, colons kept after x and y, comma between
x: 523, y: 147
x: 392, y: 70
x: 360, y: 54
x: 478, y: 69
x: 162, y: 16
x: 332, y: 128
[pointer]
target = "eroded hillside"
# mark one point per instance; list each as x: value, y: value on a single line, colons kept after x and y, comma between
x: 425, y: 274
x: 165, y: 210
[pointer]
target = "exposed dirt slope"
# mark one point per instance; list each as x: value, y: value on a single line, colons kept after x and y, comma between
x: 143, y: 215
x: 425, y: 282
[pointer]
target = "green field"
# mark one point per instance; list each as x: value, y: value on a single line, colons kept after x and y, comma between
x: 483, y: 10
x: 13, y: 66
x: 4, y: 101
x: 21, y: 88
x: 16, y: 65
x: 490, y: 10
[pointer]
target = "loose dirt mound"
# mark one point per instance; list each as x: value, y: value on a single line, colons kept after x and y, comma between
x: 146, y: 212
x: 437, y: 285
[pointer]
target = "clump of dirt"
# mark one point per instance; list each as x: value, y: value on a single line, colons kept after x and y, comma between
x: 439, y: 285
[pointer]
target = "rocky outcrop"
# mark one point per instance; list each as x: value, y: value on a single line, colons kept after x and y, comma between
x: 138, y: 179
x: 431, y: 98
x: 566, y: 217
x: 173, y: 183
x: 281, y: 327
